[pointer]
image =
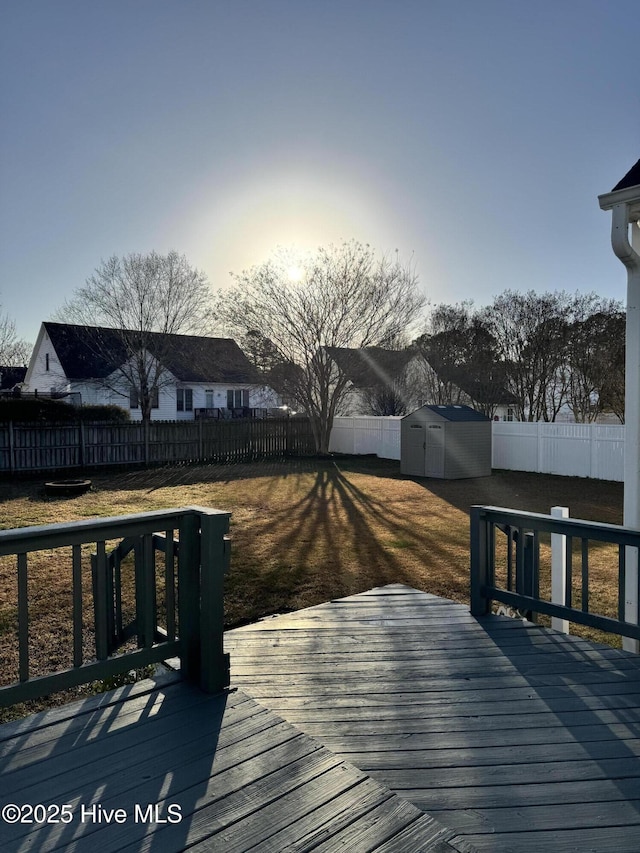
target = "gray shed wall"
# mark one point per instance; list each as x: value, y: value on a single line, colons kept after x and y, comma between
x: 454, y: 449
x: 467, y: 450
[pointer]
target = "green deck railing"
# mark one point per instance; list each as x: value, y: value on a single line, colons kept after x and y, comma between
x: 521, y: 570
x: 188, y: 601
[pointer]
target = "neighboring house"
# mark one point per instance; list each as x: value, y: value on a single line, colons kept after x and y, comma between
x: 381, y: 381
x: 396, y: 382
x: 497, y: 403
x: 200, y: 376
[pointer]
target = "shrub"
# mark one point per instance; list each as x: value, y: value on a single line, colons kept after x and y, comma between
x: 41, y: 409
x: 103, y: 413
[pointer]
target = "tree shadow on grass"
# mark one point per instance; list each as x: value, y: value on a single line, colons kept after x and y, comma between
x: 336, y: 539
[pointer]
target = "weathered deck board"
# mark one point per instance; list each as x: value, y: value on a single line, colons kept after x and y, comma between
x: 390, y: 721
x: 243, y: 779
x: 514, y: 736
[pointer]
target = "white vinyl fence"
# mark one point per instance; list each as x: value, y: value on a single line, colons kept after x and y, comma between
x: 572, y: 450
x: 361, y: 435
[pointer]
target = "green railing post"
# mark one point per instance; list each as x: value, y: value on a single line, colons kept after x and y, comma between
x: 134, y: 531
x: 480, y: 569
x: 146, y: 591
x: 526, y: 579
x: 214, y: 664
x: 189, y: 597
x: 101, y: 604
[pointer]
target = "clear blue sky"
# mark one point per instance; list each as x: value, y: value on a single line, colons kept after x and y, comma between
x: 472, y: 135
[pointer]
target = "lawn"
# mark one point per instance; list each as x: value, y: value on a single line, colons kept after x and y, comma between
x: 303, y: 531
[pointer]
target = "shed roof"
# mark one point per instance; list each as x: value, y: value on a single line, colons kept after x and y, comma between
x: 456, y: 413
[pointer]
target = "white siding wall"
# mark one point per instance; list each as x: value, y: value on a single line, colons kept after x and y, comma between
x: 44, y: 380
x: 167, y: 398
x: 576, y: 450
x: 39, y: 378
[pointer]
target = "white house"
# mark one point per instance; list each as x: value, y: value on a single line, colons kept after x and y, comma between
x: 198, y: 376
x: 380, y: 381
x: 396, y: 382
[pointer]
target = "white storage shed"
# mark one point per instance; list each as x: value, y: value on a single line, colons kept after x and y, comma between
x: 448, y: 442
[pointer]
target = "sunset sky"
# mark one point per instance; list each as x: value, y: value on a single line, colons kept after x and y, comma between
x: 473, y: 136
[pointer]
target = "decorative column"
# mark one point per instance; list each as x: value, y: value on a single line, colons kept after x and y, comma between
x: 624, y: 203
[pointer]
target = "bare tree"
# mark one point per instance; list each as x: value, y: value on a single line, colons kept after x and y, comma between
x: 596, y: 357
x: 386, y: 400
x: 531, y: 332
x: 13, y: 351
x: 613, y: 390
x: 260, y: 351
x: 440, y: 347
x: 346, y: 297
x: 142, y: 298
x: 464, y: 357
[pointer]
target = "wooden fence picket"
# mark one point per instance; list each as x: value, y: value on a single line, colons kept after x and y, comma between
x: 48, y: 447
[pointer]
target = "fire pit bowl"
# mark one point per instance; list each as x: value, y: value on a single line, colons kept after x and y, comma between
x: 66, y: 488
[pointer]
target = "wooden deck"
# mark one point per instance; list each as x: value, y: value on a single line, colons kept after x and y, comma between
x: 220, y: 774
x: 390, y: 721
x: 514, y: 736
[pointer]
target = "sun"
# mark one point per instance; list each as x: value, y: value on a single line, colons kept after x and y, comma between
x: 295, y: 273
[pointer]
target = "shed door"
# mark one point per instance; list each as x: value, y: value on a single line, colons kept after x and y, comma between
x: 434, y: 455
x: 414, y: 458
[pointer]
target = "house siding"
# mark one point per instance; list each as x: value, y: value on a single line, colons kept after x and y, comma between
x: 46, y: 375
x: 39, y: 379
x: 259, y: 398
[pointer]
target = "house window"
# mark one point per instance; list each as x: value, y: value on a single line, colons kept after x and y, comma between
x: 237, y: 399
x: 510, y: 415
x: 134, y: 398
x: 184, y: 399
x: 46, y: 361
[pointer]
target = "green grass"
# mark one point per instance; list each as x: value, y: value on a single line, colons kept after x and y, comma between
x: 303, y: 532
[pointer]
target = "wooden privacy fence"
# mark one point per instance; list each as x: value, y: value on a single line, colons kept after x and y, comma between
x: 48, y: 447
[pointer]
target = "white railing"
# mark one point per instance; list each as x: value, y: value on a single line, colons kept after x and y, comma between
x: 574, y: 450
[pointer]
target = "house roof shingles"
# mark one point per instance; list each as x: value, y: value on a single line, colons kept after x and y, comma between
x: 190, y: 358
x: 631, y: 179
x: 370, y: 366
